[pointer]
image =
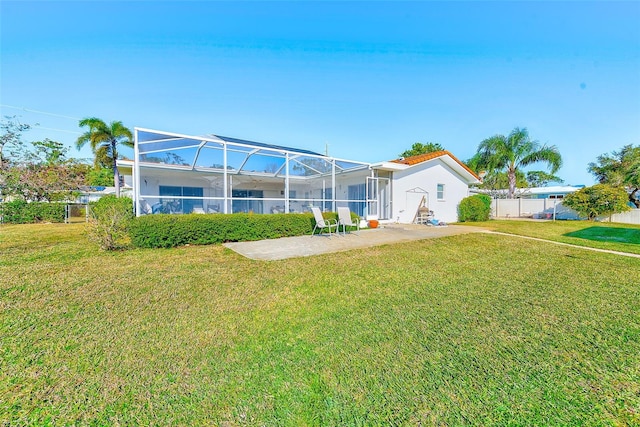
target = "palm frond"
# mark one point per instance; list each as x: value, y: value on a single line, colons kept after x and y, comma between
x: 549, y: 155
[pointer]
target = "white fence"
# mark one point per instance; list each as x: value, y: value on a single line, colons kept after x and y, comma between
x: 531, y: 208
x: 550, y: 209
x: 629, y: 217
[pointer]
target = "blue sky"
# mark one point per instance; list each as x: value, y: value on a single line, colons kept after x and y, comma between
x: 365, y: 79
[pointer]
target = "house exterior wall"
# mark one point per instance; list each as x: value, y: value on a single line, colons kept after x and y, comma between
x: 427, y: 176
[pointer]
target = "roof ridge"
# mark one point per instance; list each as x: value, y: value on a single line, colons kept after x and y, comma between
x: 420, y: 158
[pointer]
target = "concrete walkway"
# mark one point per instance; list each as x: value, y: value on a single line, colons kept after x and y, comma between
x: 301, y: 246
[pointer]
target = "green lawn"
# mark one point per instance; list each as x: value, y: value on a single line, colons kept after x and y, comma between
x: 475, y: 329
x: 602, y: 235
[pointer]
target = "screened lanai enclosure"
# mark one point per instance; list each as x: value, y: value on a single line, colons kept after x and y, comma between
x: 175, y: 174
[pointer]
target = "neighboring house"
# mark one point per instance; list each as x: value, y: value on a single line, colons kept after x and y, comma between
x: 550, y: 192
x: 94, y: 193
x: 173, y: 173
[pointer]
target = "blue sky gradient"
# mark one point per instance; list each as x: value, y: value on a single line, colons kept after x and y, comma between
x: 365, y: 79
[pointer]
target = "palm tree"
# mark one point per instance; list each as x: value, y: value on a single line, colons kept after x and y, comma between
x: 104, y: 140
x: 513, y: 152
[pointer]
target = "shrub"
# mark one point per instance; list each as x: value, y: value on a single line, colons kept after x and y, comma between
x: 599, y: 199
x: 109, y: 221
x: 164, y: 231
x: 474, y: 208
x: 22, y: 212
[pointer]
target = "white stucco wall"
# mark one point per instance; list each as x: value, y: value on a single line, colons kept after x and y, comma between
x: 427, y: 176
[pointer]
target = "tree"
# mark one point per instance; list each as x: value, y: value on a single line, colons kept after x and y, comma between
x: 512, y: 153
x: 99, y: 176
x: 420, y: 148
x: 541, y: 178
x: 494, y: 182
x: 47, y: 152
x: 104, y: 140
x: 599, y: 199
x: 43, y: 172
x: 10, y: 138
x: 620, y: 168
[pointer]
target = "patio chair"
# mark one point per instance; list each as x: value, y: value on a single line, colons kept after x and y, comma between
x: 321, y: 223
x: 344, y: 220
x: 145, y: 207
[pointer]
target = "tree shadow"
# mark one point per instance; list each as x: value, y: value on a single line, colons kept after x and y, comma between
x: 608, y: 234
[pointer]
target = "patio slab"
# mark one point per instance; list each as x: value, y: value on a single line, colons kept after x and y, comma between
x: 301, y: 246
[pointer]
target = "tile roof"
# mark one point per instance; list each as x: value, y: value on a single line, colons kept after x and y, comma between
x: 420, y: 158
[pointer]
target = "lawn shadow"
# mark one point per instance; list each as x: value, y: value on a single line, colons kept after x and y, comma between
x: 608, y: 234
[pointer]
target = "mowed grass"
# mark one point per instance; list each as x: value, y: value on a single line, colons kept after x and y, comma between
x: 475, y: 329
x: 601, y: 235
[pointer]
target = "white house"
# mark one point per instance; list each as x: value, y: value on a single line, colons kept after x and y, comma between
x: 175, y: 173
x: 436, y: 180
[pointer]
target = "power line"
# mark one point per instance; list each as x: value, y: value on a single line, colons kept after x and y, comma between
x: 38, y: 112
x: 58, y: 130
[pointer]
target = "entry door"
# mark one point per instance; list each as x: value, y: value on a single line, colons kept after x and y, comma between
x: 378, y: 197
x: 384, y: 198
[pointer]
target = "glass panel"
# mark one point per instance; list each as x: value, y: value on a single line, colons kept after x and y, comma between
x: 235, y: 159
x: 182, y: 157
x: 210, y: 157
x: 251, y: 204
x: 357, y: 198
x: 309, y: 166
x: 167, y: 145
x: 263, y: 164
x: 175, y: 200
x: 152, y: 136
x: 170, y: 205
x: 342, y: 165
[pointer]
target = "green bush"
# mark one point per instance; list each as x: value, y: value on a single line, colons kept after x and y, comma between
x: 165, y: 231
x: 474, y: 208
x: 22, y: 212
x: 485, y: 199
x: 109, y: 221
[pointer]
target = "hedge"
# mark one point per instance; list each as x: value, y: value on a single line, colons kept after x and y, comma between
x: 22, y: 212
x: 474, y: 208
x: 165, y: 231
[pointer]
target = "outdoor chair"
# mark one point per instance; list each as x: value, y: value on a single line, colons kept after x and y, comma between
x: 145, y: 207
x: 321, y: 223
x: 344, y: 220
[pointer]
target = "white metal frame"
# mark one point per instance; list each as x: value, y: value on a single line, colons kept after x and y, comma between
x: 290, y: 157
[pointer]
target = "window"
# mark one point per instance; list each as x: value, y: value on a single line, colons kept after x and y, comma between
x: 357, y: 197
x: 440, y: 191
x: 173, y: 199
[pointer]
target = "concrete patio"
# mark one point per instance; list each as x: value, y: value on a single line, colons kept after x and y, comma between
x: 301, y: 246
